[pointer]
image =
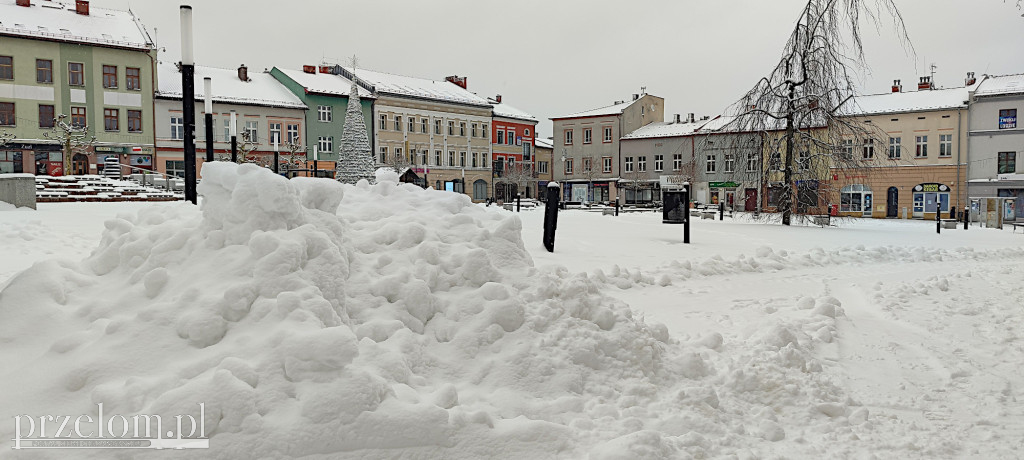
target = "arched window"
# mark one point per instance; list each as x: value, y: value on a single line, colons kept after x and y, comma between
x: 855, y: 198
x: 480, y: 190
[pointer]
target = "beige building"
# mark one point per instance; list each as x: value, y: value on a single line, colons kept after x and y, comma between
x: 543, y: 159
x: 436, y: 128
x: 587, y: 146
x: 919, y: 166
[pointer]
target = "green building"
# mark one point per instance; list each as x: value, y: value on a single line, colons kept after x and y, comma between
x: 326, y: 95
x: 89, y: 68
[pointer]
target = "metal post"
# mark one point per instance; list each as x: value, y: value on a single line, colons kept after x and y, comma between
x: 316, y: 156
x: 277, y: 158
x: 686, y: 214
x: 616, y: 205
x: 721, y: 211
x: 208, y: 105
x: 551, y: 216
x: 188, y: 103
x: 234, y: 136
x: 938, y: 221
x: 518, y: 199
x: 967, y: 216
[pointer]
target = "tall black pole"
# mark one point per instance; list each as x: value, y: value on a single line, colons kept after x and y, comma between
x: 938, y: 220
x: 686, y: 213
x: 277, y: 159
x: 208, y: 102
x: 188, y: 103
x: 233, y: 128
x: 551, y: 216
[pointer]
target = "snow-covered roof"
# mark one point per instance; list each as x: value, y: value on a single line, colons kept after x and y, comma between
x: 1004, y: 84
x: 609, y: 110
x: 56, y: 20
x: 665, y: 129
x: 507, y: 111
x: 399, y: 85
x: 324, y: 83
x: 261, y: 89
x: 544, y: 143
x: 914, y: 101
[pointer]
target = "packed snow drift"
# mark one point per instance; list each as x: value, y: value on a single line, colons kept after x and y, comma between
x: 315, y: 319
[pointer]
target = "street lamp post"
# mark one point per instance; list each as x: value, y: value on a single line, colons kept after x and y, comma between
x: 208, y: 106
x: 188, y: 102
x: 234, y: 136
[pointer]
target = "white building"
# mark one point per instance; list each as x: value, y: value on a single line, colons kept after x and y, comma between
x: 996, y: 143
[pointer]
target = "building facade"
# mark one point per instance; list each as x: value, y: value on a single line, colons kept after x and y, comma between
x: 587, y: 145
x: 85, y: 67
x: 267, y: 113
x: 659, y: 156
x: 325, y: 92
x: 543, y: 159
x: 996, y: 145
x: 512, y: 145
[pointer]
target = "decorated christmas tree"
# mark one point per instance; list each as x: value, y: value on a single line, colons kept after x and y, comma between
x: 355, y: 160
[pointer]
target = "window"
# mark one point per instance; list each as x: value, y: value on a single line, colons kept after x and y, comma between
x: 848, y: 149
x: 398, y: 155
x: 922, y: 147
x: 510, y: 137
x: 568, y: 166
x: 6, y: 114
x: 423, y: 125
x: 462, y: 129
x: 451, y: 128
x: 1008, y: 119
x: 423, y: 157
x: 134, y: 121
x: 11, y: 162
x: 383, y: 154
x: 78, y: 118
x: 730, y: 162
x: 641, y: 164
x: 76, y: 74
x: 587, y: 136
x: 462, y: 159
x: 324, y: 113
x: 177, y: 129
x: 677, y: 161
x: 568, y: 137
x: 855, y: 198
x: 275, y: 133
x: 752, y: 159
x: 1007, y: 163
x: 710, y: 165
x: 804, y: 160
x: 131, y: 78
x: 398, y: 123
x: 437, y: 126
x: 175, y: 168
x: 945, y: 145
x: 629, y: 164
x: 46, y: 116
x: 475, y: 158
x: 894, y: 147
x: 6, y: 68
x: 607, y: 133
x: 110, y: 76
x: 325, y: 144
x: 44, y: 71
x: 293, y: 133
x: 383, y: 122
x: 227, y: 129
x: 869, y: 149
x: 775, y: 161
x: 437, y: 158
x: 110, y: 120
x: 607, y: 164
x: 526, y: 131
x: 586, y: 165
x: 501, y: 137
x: 480, y: 190
x: 451, y: 158
x: 252, y: 130
x: 483, y: 160
x: 412, y: 124
x: 542, y: 167
x: 483, y: 130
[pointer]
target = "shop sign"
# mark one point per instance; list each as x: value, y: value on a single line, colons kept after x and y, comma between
x: 106, y: 149
x: 141, y: 160
x: 1008, y: 119
x: 934, y: 187
x: 723, y: 185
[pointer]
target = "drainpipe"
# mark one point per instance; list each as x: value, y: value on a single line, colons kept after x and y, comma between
x: 959, y: 137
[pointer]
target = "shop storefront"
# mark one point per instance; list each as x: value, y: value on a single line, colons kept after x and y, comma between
x: 930, y: 198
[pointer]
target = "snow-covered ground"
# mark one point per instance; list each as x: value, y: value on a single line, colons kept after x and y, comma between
x: 414, y: 324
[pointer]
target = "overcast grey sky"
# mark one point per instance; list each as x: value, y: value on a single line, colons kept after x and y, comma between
x: 556, y: 57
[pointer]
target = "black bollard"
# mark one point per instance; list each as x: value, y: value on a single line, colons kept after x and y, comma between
x: 551, y: 216
x: 616, y: 206
x: 721, y: 211
x: 938, y: 221
x: 518, y: 199
x: 686, y: 214
x: 967, y: 216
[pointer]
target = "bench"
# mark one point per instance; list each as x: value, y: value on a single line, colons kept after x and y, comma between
x: 1016, y: 225
x: 822, y: 220
x: 708, y: 214
x: 949, y: 223
x: 608, y: 212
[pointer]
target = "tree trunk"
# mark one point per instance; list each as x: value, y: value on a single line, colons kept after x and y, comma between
x: 789, y: 195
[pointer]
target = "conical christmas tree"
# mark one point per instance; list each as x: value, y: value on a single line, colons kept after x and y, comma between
x: 355, y: 161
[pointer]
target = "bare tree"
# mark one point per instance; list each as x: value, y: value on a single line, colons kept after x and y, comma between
x: 73, y: 139
x: 6, y: 137
x: 798, y: 110
x: 634, y: 180
x: 399, y: 162
x: 516, y: 175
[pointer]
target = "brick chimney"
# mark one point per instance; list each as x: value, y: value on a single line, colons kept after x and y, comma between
x: 678, y: 118
x: 498, y: 98
x: 461, y: 81
x: 305, y: 69
x: 243, y: 73
x: 970, y: 79
x: 925, y: 84
x: 24, y: 2
x: 82, y: 7
x: 897, y: 87
x: 326, y: 69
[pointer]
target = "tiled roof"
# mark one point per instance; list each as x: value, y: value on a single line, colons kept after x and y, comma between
x: 56, y: 20
x: 262, y: 89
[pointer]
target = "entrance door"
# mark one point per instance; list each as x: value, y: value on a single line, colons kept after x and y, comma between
x: 730, y: 199
x: 892, y: 202
x: 79, y: 164
x: 867, y: 204
x: 750, y: 204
